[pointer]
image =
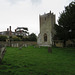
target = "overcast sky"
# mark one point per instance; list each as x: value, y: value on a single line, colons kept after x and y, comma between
x: 25, y: 13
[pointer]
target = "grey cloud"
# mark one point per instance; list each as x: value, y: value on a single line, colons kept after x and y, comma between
x: 32, y: 1
x: 36, y: 1
x: 14, y: 1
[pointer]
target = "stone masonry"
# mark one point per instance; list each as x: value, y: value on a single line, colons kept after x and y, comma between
x: 47, y: 31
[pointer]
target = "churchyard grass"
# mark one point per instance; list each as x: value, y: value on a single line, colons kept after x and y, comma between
x: 37, y: 61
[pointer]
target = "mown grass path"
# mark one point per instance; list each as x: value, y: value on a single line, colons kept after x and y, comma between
x: 37, y: 61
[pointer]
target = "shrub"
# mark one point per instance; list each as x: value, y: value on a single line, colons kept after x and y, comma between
x: 3, y: 38
x: 15, y: 38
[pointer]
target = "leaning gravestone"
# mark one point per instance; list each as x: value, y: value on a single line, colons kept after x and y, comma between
x: 2, y: 52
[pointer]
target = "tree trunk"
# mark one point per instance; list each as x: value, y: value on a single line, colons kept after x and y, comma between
x: 64, y: 43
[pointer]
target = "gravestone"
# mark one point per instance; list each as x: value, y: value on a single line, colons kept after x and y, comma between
x: 2, y: 52
x: 20, y: 46
x: 49, y: 50
x: 25, y: 45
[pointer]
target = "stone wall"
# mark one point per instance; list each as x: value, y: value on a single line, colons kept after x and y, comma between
x: 47, y: 22
x: 18, y: 43
x: 59, y: 43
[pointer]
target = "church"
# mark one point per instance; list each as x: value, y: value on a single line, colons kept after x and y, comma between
x: 45, y: 37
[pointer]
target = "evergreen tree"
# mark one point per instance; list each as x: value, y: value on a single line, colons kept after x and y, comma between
x: 66, y: 23
x: 32, y: 37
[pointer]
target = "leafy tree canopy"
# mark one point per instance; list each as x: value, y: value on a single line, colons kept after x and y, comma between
x: 32, y: 37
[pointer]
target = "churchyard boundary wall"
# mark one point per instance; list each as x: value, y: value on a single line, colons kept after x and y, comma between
x: 18, y: 43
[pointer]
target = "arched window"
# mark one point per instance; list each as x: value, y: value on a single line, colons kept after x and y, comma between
x: 45, y: 37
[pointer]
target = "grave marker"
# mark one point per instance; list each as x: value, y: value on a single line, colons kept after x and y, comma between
x: 2, y: 52
x: 49, y: 50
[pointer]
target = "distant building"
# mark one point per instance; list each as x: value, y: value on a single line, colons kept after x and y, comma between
x: 4, y: 33
x: 8, y: 32
x: 47, y: 31
x: 21, y: 31
x: 18, y: 31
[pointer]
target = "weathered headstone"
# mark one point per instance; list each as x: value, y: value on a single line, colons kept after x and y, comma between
x: 2, y: 52
x: 17, y: 45
x: 25, y: 45
x: 12, y: 45
x: 49, y: 50
x: 20, y: 46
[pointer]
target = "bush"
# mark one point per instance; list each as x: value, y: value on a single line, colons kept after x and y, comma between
x: 3, y: 38
x: 15, y: 38
x: 25, y: 39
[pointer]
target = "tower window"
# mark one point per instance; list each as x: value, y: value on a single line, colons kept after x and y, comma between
x: 45, y: 37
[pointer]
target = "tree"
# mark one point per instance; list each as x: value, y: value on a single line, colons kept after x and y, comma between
x: 66, y: 23
x: 32, y: 37
x: 21, y: 31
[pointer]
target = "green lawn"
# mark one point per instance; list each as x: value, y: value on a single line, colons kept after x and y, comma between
x: 37, y: 61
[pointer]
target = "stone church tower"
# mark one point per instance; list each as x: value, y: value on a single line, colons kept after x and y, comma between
x: 47, y: 31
